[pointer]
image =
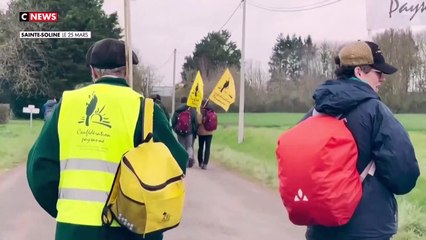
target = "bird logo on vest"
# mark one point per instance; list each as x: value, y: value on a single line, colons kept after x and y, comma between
x: 95, y: 114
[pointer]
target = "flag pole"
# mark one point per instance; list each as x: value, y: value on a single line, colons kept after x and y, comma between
x: 128, y: 41
x: 174, y: 81
x: 207, y: 101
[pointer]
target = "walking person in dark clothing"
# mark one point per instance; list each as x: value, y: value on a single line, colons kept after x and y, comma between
x: 157, y: 100
x: 380, y: 138
x: 184, y: 123
x: 48, y: 108
x: 206, y: 127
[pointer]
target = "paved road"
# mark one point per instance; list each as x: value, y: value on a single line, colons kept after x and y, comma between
x: 21, y: 217
x: 219, y: 205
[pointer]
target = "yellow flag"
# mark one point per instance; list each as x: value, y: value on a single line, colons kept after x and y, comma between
x: 223, y: 93
x: 196, y: 94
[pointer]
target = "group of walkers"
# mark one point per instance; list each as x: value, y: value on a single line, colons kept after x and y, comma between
x: 189, y: 124
x: 71, y: 166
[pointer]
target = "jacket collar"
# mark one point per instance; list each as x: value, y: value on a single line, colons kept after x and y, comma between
x: 112, y: 80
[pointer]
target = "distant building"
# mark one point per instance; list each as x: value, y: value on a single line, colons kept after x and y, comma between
x: 163, y: 91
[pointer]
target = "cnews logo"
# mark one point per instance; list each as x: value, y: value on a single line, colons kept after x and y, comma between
x: 38, y: 16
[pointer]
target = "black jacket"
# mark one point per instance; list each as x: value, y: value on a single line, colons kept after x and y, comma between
x: 380, y: 137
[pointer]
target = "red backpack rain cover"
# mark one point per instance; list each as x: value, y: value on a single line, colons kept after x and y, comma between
x: 318, y: 180
x: 183, y: 125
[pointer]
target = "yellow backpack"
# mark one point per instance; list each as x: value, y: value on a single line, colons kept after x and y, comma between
x: 148, y: 191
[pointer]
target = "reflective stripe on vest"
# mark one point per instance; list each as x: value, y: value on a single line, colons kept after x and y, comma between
x: 84, y: 195
x: 89, y: 164
x: 96, y: 127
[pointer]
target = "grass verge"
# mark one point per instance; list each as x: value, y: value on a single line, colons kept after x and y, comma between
x: 16, y: 138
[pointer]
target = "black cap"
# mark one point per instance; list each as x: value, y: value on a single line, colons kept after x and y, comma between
x: 364, y: 53
x: 379, y: 61
x: 108, y: 53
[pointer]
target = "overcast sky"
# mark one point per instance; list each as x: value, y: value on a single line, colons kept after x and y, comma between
x: 162, y: 25
x: 159, y: 26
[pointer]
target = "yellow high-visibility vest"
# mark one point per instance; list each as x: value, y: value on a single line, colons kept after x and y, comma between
x: 96, y: 127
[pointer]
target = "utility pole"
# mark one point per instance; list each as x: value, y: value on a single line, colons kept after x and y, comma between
x: 128, y: 41
x: 242, y: 80
x: 174, y: 81
x: 148, y: 80
x: 370, y: 35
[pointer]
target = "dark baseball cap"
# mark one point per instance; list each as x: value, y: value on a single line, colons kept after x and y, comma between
x: 365, y: 53
x: 108, y: 53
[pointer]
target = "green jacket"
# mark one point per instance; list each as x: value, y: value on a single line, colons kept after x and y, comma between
x: 43, y: 172
x: 164, y: 109
x: 194, y: 121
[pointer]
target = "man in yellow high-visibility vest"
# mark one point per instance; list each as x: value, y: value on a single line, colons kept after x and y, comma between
x: 72, y: 164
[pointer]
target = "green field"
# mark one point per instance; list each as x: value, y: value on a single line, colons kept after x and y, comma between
x: 16, y: 139
x: 255, y: 158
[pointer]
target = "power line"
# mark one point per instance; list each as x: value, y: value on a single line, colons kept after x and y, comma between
x: 185, y: 54
x: 163, y: 64
x: 296, y: 9
x: 232, y: 15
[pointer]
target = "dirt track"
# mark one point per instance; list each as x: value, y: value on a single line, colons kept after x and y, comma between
x: 219, y: 205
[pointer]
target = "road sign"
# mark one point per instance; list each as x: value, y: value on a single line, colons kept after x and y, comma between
x: 31, y: 109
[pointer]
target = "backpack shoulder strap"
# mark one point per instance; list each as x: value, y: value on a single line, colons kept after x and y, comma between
x: 369, y: 170
x: 315, y: 112
x: 148, y: 120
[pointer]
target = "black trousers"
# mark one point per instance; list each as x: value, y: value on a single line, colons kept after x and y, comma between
x: 204, y: 153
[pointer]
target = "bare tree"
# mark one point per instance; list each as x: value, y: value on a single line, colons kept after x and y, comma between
x: 144, y: 78
x: 404, y: 57
x: 420, y: 72
x: 256, y: 78
x: 22, y: 60
x: 325, y: 61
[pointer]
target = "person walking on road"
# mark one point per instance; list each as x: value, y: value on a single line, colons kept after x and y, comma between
x: 72, y: 164
x: 379, y: 136
x: 185, y: 125
x: 207, y: 123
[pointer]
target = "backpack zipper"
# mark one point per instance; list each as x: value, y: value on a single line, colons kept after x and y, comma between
x: 149, y: 187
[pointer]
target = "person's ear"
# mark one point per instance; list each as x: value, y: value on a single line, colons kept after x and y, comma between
x: 125, y: 73
x: 357, y: 72
x: 93, y: 72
